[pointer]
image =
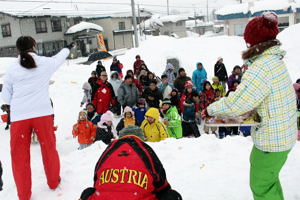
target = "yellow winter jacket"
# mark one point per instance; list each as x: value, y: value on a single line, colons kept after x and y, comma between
x: 220, y: 87
x: 156, y: 131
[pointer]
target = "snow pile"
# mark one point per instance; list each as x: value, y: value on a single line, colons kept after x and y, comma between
x: 233, y: 9
x: 83, y: 26
x: 197, y: 23
x: 290, y: 40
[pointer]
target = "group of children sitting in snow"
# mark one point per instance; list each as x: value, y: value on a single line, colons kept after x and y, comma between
x: 170, y: 109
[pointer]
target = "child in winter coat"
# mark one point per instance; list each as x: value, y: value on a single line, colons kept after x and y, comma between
x: 1, y: 172
x: 132, y: 171
x: 207, y: 97
x: 190, y: 110
x: 170, y: 73
x: 153, y: 129
x: 152, y: 95
x: 105, y: 128
x: 175, y: 99
x: 92, y: 115
x: 164, y: 87
x: 84, y: 130
x: 116, y: 82
x: 87, y: 94
x: 235, y: 76
x: 199, y: 76
x: 217, y: 85
x: 127, y: 120
x: 172, y: 119
x: 140, y: 111
x: 117, y: 66
x: 93, y: 82
x: 143, y: 78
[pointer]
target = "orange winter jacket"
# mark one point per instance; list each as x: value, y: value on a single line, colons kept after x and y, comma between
x: 86, y: 132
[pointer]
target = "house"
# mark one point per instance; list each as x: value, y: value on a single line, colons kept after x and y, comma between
x: 173, y: 25
x: 235, y: 17
x: 200, y: 27
x: 48, y: 25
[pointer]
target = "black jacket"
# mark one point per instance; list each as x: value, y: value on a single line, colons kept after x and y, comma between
x: 180, y: 82
x: 156, y: 94
x: 1, y: 182
x: 99, y: 69
x: 221, y: 72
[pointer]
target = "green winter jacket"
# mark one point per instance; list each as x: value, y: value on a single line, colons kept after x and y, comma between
x: 174, y: 119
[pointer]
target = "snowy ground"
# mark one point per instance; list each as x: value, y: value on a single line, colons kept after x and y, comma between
x: 202, y: 168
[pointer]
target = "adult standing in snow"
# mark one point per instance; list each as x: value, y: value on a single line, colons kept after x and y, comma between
x: 266, y: 87
x: 31, y: 110
x: 180, y: 81
x: 136, y: 82
x: 128, y: 94
x: 116, y: 82
x: 105, y: 95
x: 199, y: 76
x: 100, y: 68
x: 137, y: 65
x: 221, y: 72
x: 169, y: 71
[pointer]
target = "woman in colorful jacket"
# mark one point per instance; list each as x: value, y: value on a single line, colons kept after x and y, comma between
x: 266, y: 87
x: 172, y: 119
x: 153, y: 129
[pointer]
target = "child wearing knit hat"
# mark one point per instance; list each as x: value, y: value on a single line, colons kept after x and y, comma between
x: 128, y: 119
x: 104, y: 128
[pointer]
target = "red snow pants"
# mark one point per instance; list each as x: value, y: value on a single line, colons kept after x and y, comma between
x: 20, y: 153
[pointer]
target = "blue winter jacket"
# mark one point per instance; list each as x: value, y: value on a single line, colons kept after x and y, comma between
x: 199, y: 76
x: 139, y: 114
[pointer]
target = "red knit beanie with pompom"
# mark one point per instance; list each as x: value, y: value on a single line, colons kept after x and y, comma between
x: 261, y: 29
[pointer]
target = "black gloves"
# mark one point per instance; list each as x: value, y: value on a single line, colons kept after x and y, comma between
x: 71, y: 46
x: 5, y: 107
x: 1, y: 182
x: 87, y: 193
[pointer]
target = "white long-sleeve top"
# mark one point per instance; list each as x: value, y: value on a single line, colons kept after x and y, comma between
x: 27, y: 90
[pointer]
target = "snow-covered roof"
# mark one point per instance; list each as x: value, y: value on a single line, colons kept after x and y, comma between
x: 173, y: 18
x: 259, y: 6
x: 233, y: 9
x: 63, y: 8
x: 270, y: 5
x: 84, y: 26
x: 153, y: 22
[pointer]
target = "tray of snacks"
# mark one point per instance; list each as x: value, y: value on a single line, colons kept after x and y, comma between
x: 248, y: 119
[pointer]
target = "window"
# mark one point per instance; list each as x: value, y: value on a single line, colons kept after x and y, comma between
x: 298, y: 20
x: 6, y: 32
x: 239, y: 29
x: 41, y: 26
x: 122, y: 26
x: 56, y: 25
x: 180, y: 23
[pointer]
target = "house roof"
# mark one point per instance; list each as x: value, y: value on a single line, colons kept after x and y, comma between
x: 255, y: 8
x: 61, y: 8
x: 83, y: 26
x: 197, y: 23
x: 173, y: 18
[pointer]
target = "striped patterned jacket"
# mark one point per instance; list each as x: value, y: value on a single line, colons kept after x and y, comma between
x: 267, y: 88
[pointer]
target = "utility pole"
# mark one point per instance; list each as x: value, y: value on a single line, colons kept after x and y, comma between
x: 139, y: 16
x: 207, y: 10
x: 241, y: 1
x: 168, y: 8
x: 136, y: 39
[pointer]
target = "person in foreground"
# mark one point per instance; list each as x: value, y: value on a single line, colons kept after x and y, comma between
x: 129, y: 169
x: 275, y: 103
x: 31, y: 110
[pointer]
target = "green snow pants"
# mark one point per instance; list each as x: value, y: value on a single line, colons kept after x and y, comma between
x: 264, y: 174
x: 175, y: 132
